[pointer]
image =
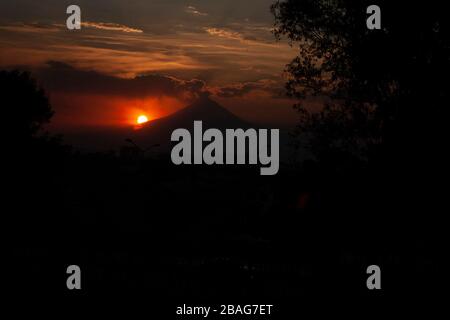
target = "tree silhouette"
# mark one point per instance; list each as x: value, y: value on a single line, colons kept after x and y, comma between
x: 385, y: 87
x: 26, y: 107
x: 34, y: 159
x: 380, y: 140
x: 32, y: 154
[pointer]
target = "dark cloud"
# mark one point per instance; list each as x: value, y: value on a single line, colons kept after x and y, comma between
x: 241, y: 89
x: 61, y: 77
x: 150, y: 14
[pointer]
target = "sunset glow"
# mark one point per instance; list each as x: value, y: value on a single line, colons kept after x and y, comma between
x: 118, y: 74
x: 142, y: 119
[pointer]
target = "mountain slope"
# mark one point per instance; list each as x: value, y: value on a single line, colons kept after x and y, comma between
x: 204, y: 109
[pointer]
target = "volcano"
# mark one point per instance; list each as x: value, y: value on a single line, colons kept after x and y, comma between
x: 204, y: 109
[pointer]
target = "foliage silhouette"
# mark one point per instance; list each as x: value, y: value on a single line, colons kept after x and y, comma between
x: 379, y: 141
x: 33, y: 156
x: 379, y: 82
x: 26, y: 106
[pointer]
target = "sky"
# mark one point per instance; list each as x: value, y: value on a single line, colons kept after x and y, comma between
x: 149, y: 57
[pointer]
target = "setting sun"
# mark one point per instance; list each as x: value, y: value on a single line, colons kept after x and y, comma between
x: 142, y: 119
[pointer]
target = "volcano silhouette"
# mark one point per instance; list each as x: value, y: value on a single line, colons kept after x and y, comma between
x: 204, y: 109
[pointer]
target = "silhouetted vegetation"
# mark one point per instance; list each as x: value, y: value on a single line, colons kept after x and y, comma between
x: 379, y: 140
x: 26, y: 106
x: 33, y: 156
x: 383, y: 87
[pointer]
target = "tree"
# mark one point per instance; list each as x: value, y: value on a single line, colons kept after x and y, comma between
x: 32, y: 152
x: 383, y: 87
x: 380, y: 140
x: 34, y: 158
x: 26, y: 108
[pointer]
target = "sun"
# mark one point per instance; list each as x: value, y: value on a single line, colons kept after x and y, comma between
x: 142, y: 119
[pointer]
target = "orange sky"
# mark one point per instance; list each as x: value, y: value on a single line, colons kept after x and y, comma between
x: 227, y: 45
x: 115, y: 111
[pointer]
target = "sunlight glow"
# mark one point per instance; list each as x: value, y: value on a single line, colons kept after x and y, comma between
x: 142, y: 119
